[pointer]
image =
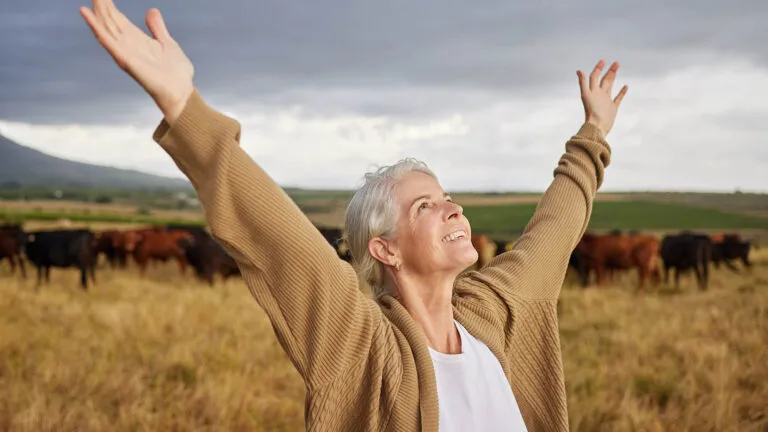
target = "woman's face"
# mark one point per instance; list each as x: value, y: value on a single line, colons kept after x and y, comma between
x: 433, y: 236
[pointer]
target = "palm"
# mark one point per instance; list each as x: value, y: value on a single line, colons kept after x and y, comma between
x: 158, y: 64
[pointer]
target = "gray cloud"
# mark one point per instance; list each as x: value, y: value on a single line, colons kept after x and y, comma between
x: 399, y: 58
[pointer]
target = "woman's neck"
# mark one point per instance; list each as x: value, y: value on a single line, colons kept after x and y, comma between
x: 429, y: 303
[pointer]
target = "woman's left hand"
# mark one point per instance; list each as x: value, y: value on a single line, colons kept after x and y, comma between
x: 599, y: 108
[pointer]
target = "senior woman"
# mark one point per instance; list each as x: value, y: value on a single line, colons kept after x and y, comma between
x: 438, y: 349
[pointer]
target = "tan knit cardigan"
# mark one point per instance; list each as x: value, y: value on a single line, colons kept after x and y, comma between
x: 366, y: 364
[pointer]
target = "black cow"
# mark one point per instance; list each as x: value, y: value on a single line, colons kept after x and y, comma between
x: 501, y: 246
x: 63, y: 248
x: 686, y: 251
x: 204, y: 254
x: 335, y: 236
x: 12, y: 245
x: 579, y: 264
x: 731, y: 249
x: 207, y: 257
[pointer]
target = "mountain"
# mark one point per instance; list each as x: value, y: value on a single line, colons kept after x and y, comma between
x: 27, y: 167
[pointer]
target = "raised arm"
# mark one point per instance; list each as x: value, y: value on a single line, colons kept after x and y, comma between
x: 535, y: 267
x: 322, y: 320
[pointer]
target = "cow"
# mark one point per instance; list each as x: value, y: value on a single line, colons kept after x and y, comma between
x: 197, y: 231
x: 335, y: 237
x: 725, y: 237
x: 62, y: 249
x: 502, y: 246
x: 204, y: 254
x: 105, y: 245
x: 602, y: 253
x: 579, y: 263
x: 207, y: 257
x: 687, y: 251
x: 12, y: 244
x: 125, y: 242
x: 581, y: 266
x: 485, y: 247
x: 159, y: 245
x: 731, y: 248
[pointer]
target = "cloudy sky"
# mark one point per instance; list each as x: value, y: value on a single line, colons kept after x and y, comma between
x: 485, y: 92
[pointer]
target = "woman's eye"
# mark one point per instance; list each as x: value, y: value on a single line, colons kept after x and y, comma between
x: 423, y: 206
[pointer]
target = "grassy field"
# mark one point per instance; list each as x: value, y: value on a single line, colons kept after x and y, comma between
x: 167, y: 353
x: 503, y: 216
x: 510, y: 220
x: 17, y: 216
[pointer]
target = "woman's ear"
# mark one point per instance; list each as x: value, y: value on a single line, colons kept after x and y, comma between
x: 383, y: 251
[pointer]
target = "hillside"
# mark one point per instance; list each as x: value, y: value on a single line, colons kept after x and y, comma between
x: 22, y: 166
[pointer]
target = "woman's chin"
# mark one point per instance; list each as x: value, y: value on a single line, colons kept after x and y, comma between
x: 466, y: 259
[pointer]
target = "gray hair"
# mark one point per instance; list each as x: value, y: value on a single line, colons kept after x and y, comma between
x: 372, y: 212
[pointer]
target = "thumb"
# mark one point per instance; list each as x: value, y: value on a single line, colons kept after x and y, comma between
x: 156, y: 25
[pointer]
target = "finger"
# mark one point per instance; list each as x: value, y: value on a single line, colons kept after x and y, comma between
x: 101, y: 8
x: 108, y: 4
x: 607, y: 82
x: 582, y: 82
x: 112, y: 18
x: 595, y: 74
x: 102, y: 35
x: 156, y: 25
x: 619, y: 97
x: 118, y: 17
x: 96, y: 24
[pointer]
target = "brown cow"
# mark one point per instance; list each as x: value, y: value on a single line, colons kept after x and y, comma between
x: 723, y: 237
x: 159, y: 245
x: 105, y: 244
x: 604, y: 252
x: 125, y: 242
x: 485, y: 248
x: 11, y: 245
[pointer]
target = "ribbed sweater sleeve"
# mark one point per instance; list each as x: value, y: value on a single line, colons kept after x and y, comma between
x: 535, y: 267
x: 322, y: 320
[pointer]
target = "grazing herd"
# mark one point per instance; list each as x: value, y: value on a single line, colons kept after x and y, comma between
x: 188, y: 245
x: 605, y: 254
x: 682, y: 252
x: 192, y: 246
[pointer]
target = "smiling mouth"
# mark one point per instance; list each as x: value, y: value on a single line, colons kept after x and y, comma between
x: 460, y: 234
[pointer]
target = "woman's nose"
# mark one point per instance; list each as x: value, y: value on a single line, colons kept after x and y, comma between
x: 453, y: 210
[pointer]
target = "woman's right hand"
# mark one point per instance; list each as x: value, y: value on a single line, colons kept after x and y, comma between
x: 158, y: 65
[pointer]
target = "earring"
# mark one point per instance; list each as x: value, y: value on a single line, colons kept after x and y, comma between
x: 397, y: 266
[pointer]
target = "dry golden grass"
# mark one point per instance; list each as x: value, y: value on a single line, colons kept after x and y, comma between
x: 669, y: 360
x: 167, y: 353
x: 164, y: 353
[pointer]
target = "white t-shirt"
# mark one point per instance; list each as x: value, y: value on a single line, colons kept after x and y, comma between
x: 473, y: 393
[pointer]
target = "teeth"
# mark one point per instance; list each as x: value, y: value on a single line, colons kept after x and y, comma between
x: 453, y: 236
